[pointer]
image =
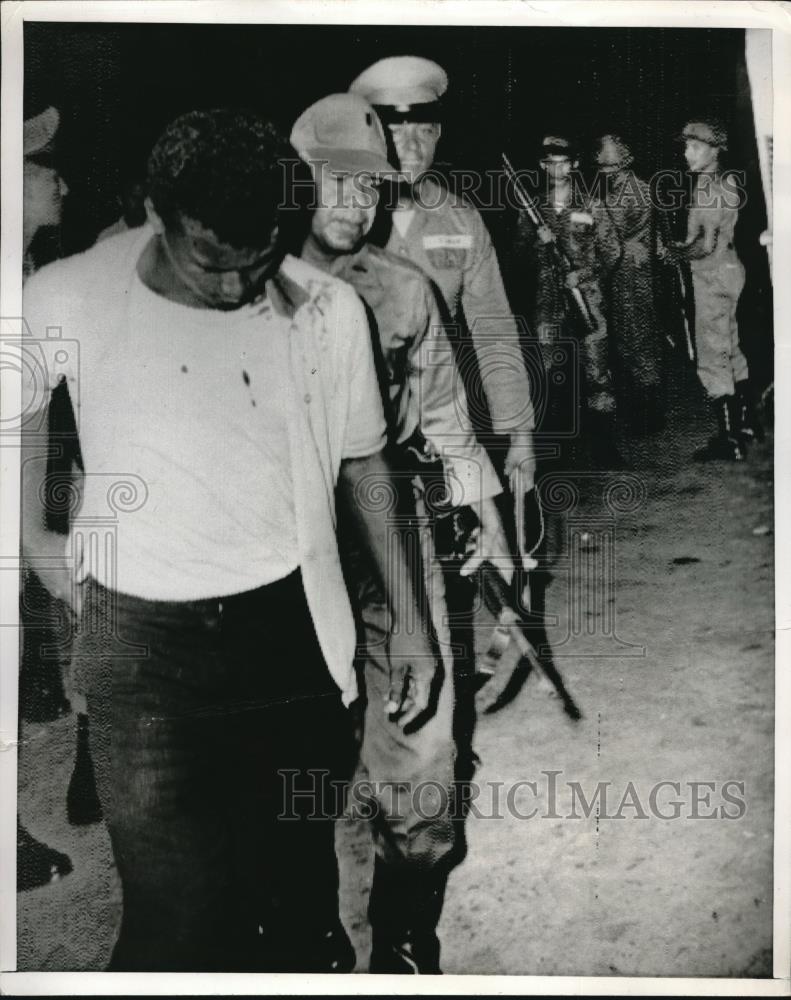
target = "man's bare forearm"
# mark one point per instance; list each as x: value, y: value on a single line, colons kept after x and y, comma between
x: 361, y: 479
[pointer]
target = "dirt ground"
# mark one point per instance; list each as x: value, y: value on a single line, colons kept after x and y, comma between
x: 671, y: 663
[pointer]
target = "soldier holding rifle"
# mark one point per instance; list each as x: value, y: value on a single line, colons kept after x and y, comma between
x: 343, y: 141
x: 717, y: 280
x: 570, y: 246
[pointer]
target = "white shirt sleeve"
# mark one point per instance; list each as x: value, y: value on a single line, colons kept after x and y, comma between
x: 366, y: 430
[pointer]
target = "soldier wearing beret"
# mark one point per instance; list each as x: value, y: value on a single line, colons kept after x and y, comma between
x: 446, y: 236
x: 717, y: 280
x: 342, y: 139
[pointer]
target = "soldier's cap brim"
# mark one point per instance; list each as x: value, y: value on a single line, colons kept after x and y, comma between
x: 564, y: 151
x: 422, y: 112
x: 709, y: 136
x: 349, y: 161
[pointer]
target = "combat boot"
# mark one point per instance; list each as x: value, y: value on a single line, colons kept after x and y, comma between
x: 750, y: 426
x: 404, y: 911
x: 726, y: 445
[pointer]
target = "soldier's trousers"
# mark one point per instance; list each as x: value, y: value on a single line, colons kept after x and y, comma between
x: 411, y: 772
x: 556, y: 323
x: 720, y: 360
x: 633, y: 324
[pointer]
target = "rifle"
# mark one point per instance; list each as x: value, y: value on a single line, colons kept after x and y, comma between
x: 501, y: 601
x: 452, y: 528
x: 677, y: 284
x: 682, y: 291
x: 561, y: 259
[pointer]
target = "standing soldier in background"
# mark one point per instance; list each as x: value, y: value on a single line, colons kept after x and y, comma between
x: 446, y: 236
x: 583, y: 232
x: 717, y: 280
x: 636, y: 348
x: 342, y: 139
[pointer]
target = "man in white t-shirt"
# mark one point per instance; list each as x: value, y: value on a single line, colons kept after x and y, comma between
x: 223, y: 392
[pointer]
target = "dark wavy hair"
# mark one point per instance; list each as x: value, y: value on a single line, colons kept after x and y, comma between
x: 223, y: 168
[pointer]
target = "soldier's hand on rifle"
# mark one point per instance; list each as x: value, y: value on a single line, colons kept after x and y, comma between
x: 413, y: 665
x: 545, y: 234
x: 677, y: 251
x: 572, y: 279
x: 520, y: 464
x: 488, y: 542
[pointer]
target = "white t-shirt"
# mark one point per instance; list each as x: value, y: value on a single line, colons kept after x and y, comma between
x: 211, y: 440
x: 200, y: 416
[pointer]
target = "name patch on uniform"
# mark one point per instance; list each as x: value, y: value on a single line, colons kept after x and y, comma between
x: 456, y: 241
x: 583, y: 217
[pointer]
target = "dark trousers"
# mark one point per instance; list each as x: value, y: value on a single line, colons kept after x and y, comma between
x: 205, y: 717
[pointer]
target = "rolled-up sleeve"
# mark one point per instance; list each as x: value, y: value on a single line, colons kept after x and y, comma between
x: 366, y: 430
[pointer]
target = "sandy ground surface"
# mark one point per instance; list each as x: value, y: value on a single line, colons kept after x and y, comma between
x: 672, y: 666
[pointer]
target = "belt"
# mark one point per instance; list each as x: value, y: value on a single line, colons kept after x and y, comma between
x: 210, y: 611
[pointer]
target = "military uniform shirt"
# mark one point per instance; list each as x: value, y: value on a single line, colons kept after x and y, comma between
x: 448, y: 239
x: 712, y: 221
x: 585, y: 233
x: 424, y: 387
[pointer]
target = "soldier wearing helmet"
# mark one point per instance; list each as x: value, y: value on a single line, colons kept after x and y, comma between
x: 583, y: 231
x: 634, y: 335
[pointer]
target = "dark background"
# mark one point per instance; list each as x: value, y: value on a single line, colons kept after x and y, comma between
x: 117, y: 85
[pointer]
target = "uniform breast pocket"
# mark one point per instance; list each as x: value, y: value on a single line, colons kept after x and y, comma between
x: 447, y: 258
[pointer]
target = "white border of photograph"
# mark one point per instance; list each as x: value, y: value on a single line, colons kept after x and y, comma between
x: 614, y: 13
